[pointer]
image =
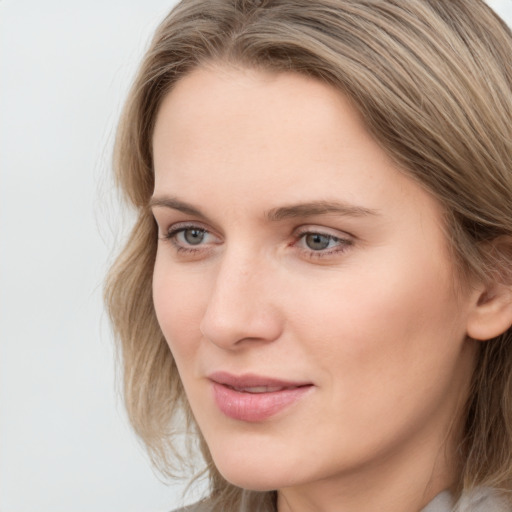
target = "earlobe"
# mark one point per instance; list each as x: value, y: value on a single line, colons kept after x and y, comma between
x: 492, y: 312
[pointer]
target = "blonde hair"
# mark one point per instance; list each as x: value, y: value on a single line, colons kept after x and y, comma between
x: 433, y: 81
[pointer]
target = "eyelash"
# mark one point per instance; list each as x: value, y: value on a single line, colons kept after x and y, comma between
x: 171, y: 235
x: 342, y: 243
x: 341, y: 247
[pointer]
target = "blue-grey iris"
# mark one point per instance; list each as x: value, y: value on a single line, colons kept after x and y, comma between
x: 194, y: 236
x: 317, y: 242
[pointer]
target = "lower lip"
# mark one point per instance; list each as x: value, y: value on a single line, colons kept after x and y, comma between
x: 255, y: 407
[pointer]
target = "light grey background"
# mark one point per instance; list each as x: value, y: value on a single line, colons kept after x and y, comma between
x: 65, y: 445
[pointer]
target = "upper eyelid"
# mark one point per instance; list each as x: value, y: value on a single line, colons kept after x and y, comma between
x: 301, y: 230
x: 173, y: 231
x: 298, y: 231
x: 343, y: 241
x: 332, y: 232
x: 177, y: 226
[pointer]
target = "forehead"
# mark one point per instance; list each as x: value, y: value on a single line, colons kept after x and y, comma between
x: 224, y: 91
x: 271, y: 139
x: 250, y: 118
x: 221, y: 106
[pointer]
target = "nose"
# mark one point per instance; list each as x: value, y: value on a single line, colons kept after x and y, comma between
x: 242, y: 305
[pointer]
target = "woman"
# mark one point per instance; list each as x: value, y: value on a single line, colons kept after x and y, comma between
x: 320, y: 274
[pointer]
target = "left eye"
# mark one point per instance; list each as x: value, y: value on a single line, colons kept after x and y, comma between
x: 318, y: 241
x: 191, y: 236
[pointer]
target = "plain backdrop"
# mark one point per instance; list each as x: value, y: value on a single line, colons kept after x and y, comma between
x: 65, y: 444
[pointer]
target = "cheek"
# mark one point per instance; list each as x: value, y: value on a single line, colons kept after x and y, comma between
x: 398, y: 322
x: 179, y: 304
x: 388, y: 345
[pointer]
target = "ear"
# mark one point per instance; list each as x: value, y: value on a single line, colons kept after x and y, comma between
x: 491, y: 312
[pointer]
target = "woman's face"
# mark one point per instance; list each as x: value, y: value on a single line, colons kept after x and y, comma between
x: 303, y: 284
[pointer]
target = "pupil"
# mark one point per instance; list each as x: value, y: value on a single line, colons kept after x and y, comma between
x: 317, y: 242
x: 194, y: 236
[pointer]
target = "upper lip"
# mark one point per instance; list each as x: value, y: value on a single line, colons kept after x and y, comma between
x: 250, y: 380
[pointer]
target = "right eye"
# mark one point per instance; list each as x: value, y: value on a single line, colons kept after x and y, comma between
x: 190, y: 238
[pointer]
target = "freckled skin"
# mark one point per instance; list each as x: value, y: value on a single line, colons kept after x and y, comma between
x: 373, y: 321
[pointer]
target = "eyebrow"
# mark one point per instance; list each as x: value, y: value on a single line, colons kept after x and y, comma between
x: 318, y: 208
x: 308, y: 209
x: 175, y: 204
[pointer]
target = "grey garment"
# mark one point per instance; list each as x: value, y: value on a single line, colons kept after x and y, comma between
x: 441, y: 503
x: 480, y: 500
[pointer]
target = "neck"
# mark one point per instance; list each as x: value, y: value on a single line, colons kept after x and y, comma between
x: 402, y: 481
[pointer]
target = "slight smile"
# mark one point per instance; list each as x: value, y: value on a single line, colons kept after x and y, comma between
x: 254, y: 398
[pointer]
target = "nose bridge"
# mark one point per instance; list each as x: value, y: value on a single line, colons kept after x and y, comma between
x: 240, y: 305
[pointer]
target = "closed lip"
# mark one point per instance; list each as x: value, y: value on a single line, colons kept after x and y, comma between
x: 255, y: 398
x: 249, y: 380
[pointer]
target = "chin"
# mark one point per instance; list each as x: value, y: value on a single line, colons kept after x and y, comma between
x: 257, y: 471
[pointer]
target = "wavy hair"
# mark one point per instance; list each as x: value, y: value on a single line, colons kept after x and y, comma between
x: 433, y: 82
